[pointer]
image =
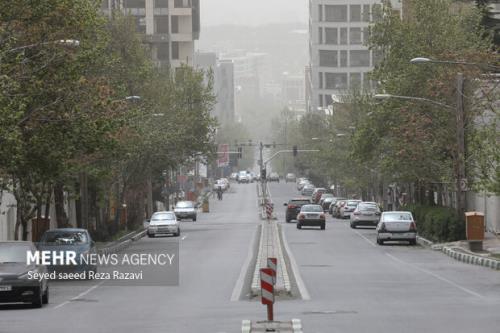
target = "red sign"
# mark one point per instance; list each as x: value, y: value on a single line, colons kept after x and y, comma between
x: 266, y: 285
x: 223, y: 155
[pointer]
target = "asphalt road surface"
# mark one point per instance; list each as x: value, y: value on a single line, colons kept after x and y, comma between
x: 354, y: 285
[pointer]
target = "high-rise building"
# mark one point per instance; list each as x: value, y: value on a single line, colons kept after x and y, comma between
x: 339, y: 57
x: 170, y: 27
x: 223, y: 84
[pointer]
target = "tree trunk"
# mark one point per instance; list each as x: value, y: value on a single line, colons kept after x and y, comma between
x: 61, y: 217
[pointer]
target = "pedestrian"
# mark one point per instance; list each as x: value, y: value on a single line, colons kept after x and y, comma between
x: 219, y: 192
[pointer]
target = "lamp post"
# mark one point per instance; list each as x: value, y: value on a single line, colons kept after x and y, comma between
x: 424, y: 60
x: 62, y: 42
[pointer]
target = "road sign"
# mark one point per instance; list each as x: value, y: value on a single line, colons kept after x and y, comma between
x: 223, y: 158
x: 266, y: 285
x: 272, y: 263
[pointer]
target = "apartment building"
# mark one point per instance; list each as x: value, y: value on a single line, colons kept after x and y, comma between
x: 223, y: 84
x: 169, y: 27
x: 339, y: 58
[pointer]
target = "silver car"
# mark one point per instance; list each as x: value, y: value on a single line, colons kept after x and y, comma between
x: 185, y: 210
x: 307, y: 190
x: 311, y: 215
x: 366, y: 214
x: 396, y: 226
x: 163, y: 223
x: 347, y: 209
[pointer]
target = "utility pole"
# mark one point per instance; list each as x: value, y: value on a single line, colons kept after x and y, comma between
x: 461, y: 182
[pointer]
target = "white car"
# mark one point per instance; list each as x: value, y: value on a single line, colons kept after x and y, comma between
x: 347, y: 209
x: 163, y: 223
x: 222, y: 183
x: 366, y: 214
x: 396, y: 226
x: 243, y: 177
x: 185, y: 210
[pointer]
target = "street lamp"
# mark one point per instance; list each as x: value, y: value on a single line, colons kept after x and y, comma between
x: 62, y: 42
x: 421, y: 99
x: 424, y: 60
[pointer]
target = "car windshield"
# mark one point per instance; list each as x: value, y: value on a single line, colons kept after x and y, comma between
x: 299, y: 202
x: 312, y: 208
x: 14, y: 253
x: 352, y: 203
x: 365, y: 206
x: 397, y: 217
x: 184, y: 204
x: 163, y: 216
x: 65, y: 237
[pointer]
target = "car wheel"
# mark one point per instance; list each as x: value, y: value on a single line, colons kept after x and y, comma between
x: 194, y: 219
x: 353, y: 226
x: 45, y: 297
x: 323, y: 226
x: 37, y: 298
x: 380, y: 242
x: 178, y: 233
x: 150, y: 235
x: 413, y: 242
x: 299, y: 226
x: 287, y: 220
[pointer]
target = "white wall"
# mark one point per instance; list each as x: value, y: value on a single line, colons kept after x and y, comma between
x: 7, y: 216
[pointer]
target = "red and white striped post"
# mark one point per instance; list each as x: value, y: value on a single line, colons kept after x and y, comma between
x: 269, y: 210
x: 267, y: 291
x: 272, y: 263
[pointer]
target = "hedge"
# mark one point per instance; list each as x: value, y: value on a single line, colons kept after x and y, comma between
x: 438, y: 224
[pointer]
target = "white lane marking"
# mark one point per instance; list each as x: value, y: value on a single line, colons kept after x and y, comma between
x: 295, y: 269
x: 184, y: 237
x: 439, y: 277
x: 238, y: 287
x: 365, y: 238
x: 79, y: 295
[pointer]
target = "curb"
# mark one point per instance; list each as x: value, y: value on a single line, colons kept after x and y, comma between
x: 424, y: 241
x: 123, y: 242
x: 292, y: 326
x: 471, y: 258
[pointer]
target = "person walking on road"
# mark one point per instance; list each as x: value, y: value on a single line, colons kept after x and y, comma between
x: 219, y: 192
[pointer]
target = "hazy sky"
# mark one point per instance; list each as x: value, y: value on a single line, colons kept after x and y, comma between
x: 252, y: 12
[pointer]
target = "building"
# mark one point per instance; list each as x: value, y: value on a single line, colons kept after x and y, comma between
x: 339, y: 57
x: 170, y: 27
x: 223, y: 84
x: 293, y: 91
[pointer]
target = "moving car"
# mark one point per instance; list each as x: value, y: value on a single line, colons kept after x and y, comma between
x: 163, y: 223
x: 222, y: 183
x: 324, y: 196
x: 274, y: 177
x: 293, y: 207
x: 290, y: 177
x: 233, y: 176
x: 366, y: 214
x: 311, y: 216
x: 326, y: 202
x: 69, y: 239
x: 396, y: 226
x: 301, y: 182
x: 185, y: 210
x: 332, y: 206
x: 337, y: 206
x: 15, y: 282
x: 307, y: 190
x: 349, y: 207
x: 243, y: 177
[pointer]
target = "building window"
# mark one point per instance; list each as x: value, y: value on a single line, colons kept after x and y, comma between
x: 336, y: 13
x: 175, y: 50
x: 360, y: 58
x: 331, y: 37
x: 162, y: 51
x: 377, y: 12
x: 175, y: 24
x: 343, y: 36
x: 140, y: 24
x: 104, y: 4
x: 320, y: 13
x: 355, y: 36
x: 355, y: 79
x: 320, y: 100
x: 134, y: 4
x: 328, y: 100
x: 366, y: 13
x: 377, y: 57
x: 328, y: 58
x: 335, y: 80
x: 355, y: 13
x: 320, y: 80
x: 161, y: 3
x: 366, y: 81
x: 182, y: 3
x: 161, y: 24
x: 366, y: 35
x: 343, y: 58
x: 320, y: 35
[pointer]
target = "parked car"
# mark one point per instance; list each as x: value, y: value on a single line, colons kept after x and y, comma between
x: 293, y: 207
x: 15, y: 282
x: 310, y: 216
x: 185, y: 210
x: 324, y: 196
x: 366, y: 214
x: 332, y: 206
x: 326, y: 202
x: 274, y: 177
x: 317, y: 194
x: 233, y: 176
x: 301, y: 182
x: 243, y: 177
x: 69, y: 239
x: 163, y: 223
x: 347, y: 209
x: 396, y: 226
x: 222, y: 183
x: 307, y: 190
x: 290, y: 177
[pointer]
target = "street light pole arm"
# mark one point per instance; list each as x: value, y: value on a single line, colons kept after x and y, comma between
x: 422, y: 99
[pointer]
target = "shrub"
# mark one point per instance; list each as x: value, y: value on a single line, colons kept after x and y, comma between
x: 438, y: 224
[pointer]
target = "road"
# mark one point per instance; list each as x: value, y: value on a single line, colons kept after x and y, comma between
x: 355, y: 286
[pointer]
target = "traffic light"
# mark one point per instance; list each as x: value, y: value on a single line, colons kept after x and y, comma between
x: 263, y: 174
x: 294, y: 151
x: 240, y: 152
